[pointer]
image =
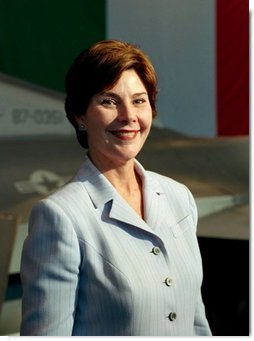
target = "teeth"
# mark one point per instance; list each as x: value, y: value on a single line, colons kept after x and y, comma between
x: 125, y: 133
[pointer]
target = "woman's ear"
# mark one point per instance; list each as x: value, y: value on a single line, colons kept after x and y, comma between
x: 80, y: 123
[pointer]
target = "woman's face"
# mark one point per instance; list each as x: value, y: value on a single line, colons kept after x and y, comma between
x: 118, y: 121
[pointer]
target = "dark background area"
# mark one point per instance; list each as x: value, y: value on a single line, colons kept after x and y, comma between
x: 226, y: 285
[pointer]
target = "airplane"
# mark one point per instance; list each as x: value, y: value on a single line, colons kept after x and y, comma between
x: 39, y: 153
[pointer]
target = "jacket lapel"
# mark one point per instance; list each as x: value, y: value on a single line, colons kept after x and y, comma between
x: 101, y: 191
x: 153, y: 198
x: 153, y: 207
x: 121, y: 211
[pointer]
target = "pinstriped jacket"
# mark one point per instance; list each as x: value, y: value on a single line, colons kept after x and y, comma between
x: 91, y: 266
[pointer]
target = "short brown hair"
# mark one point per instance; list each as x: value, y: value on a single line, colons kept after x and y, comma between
x: 98, y: 68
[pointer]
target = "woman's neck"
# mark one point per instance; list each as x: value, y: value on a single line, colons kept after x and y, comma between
x: 123, y: 177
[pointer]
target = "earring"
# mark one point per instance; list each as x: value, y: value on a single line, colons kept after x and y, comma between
x: 81, y: 127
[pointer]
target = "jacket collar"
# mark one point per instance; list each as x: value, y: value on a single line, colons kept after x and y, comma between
x: 102, y: 191
x: 97, y: 185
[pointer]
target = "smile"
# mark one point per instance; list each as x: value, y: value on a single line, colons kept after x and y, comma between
x: 125, y: 134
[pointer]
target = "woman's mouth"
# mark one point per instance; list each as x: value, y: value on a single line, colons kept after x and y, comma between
x: 125, y: 134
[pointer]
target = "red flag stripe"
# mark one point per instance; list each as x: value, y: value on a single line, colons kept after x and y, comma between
x: 232, y: 64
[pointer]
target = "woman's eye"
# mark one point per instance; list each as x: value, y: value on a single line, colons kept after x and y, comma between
x: 108, y: 102
x: 139, y: 101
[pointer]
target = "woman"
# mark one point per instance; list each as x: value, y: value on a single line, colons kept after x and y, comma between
x: 113, y: 252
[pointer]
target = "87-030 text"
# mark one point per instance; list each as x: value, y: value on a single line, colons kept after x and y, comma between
x: 37, y: 116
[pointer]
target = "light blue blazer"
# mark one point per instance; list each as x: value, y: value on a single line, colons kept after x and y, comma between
x: 91, y: 266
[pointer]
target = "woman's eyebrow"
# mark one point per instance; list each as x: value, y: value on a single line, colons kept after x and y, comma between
x: 140, y: 94
x: 109, y: 93
x: 113, y: 94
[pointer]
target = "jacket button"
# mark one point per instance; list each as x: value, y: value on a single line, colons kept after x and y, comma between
x: 156, y: 250
x: 168, y: 281
x: 172, y: 316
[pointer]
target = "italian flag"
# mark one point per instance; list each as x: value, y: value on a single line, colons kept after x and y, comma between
x: 201, y: 53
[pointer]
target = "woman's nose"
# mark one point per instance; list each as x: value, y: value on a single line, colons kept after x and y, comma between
x: 126, y: 113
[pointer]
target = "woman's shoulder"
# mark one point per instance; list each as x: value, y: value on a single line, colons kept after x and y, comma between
x: 70, y: 194
x: 176, y: 193
x: 171, y: 187
x: 165, y: 180
x: 64, y: 200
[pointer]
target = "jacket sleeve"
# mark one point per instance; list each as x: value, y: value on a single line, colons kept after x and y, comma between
x: 201, y: 325
x: 49, y: 272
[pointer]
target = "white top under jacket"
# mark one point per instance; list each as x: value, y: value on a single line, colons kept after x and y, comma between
x: 91, y: 266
